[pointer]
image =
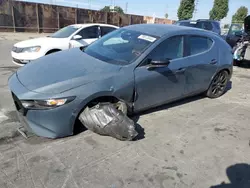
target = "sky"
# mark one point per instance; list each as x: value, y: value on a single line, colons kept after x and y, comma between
x: 156, y: 8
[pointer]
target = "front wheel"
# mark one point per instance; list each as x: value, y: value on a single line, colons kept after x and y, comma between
x: 236, y: 63
x: 218, y: 85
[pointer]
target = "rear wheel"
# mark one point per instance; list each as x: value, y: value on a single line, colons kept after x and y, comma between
x: 218, y: 85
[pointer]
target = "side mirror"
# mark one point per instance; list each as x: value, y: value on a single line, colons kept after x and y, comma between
x: 158, y: 63
x: 77, y: 37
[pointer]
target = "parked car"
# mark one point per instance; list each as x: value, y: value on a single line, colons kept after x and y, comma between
x: 210, y: 25
x: 234, y: 34
x: 239, y: 39
x: 67, y: 37
x: 122, y: 68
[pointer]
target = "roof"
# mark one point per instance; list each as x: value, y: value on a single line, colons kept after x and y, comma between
x: 92, y: 24
x: 197, y: 20
x: 187, y: 21
x: 158, y: 30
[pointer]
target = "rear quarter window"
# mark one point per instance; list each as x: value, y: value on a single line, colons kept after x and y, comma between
x: 198, y: 44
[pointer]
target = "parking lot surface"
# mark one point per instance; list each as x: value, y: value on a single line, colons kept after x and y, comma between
x: 191, y: 143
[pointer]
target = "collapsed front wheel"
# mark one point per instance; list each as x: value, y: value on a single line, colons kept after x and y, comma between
x: 218, y: 85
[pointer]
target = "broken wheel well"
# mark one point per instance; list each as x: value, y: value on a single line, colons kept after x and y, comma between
x: 95, y: 101
x: 78, y: 127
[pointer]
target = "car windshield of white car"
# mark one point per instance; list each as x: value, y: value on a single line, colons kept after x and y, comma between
x: 65, y: 32
x: 120, y: 47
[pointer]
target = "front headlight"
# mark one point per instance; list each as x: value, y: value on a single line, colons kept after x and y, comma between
x: 45, y: 104
x: 32, y: 49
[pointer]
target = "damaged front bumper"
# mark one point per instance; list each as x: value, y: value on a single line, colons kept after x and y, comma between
x: 52, y: 123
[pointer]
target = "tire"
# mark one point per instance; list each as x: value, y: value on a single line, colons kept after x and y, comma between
x: 218, y: 85
x: 236, y: 63
x: 52, y: 51
x: 122, y: 107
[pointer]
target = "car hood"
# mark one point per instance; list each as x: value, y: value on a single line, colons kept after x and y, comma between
x: 38, y: 42
x: 62, y: 71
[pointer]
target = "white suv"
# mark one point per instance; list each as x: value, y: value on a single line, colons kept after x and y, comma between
x: 68, y: 37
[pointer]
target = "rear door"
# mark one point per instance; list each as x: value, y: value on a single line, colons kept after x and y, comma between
x: 201, y: 63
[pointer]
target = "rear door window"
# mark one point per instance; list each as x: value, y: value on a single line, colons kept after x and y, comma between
x: 89, y: 32
x: 105, y: 30
x: 198, y: 44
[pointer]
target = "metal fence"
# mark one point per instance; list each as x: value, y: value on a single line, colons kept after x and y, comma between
x: 35, y: 17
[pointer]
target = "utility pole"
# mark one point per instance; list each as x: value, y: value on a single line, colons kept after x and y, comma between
x: 89, y: 4
x: 126, y: 8
x: 195, y: 8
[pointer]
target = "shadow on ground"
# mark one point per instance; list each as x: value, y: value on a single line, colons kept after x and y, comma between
x: 238, y: 175
x: 245, y: 64
x: 136, y: 117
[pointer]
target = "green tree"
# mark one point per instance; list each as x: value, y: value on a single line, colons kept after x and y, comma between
x: 186, y: 9
x: 219, y: 10
x: 240, y: 15
x: 116, y: 9
x: 166, y: 15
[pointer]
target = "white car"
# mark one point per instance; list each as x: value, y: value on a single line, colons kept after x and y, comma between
x: 72, y: 36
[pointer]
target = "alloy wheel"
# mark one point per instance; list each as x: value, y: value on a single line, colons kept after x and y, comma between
x: 219, y: 83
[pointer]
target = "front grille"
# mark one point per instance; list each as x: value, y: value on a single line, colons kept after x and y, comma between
x: 18, y: 61
x: 18, y: 104
x: 17, y: 50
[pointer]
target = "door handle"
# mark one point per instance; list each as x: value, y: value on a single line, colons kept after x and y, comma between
x: 180, y: 70
x: 213, y: 62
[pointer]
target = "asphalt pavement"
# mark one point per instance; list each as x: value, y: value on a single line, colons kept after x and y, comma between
x: 196, y: 143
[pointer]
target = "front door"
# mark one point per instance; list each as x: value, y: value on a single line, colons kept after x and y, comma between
x: 201, y: 63
x: 163, y: 84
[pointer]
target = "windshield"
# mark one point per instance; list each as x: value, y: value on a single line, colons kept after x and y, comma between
x: 120, y: 47
x: 235, y: 28
x: 65, y: 32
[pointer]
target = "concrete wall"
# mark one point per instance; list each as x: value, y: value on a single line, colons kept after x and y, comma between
x: 34, y: 17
